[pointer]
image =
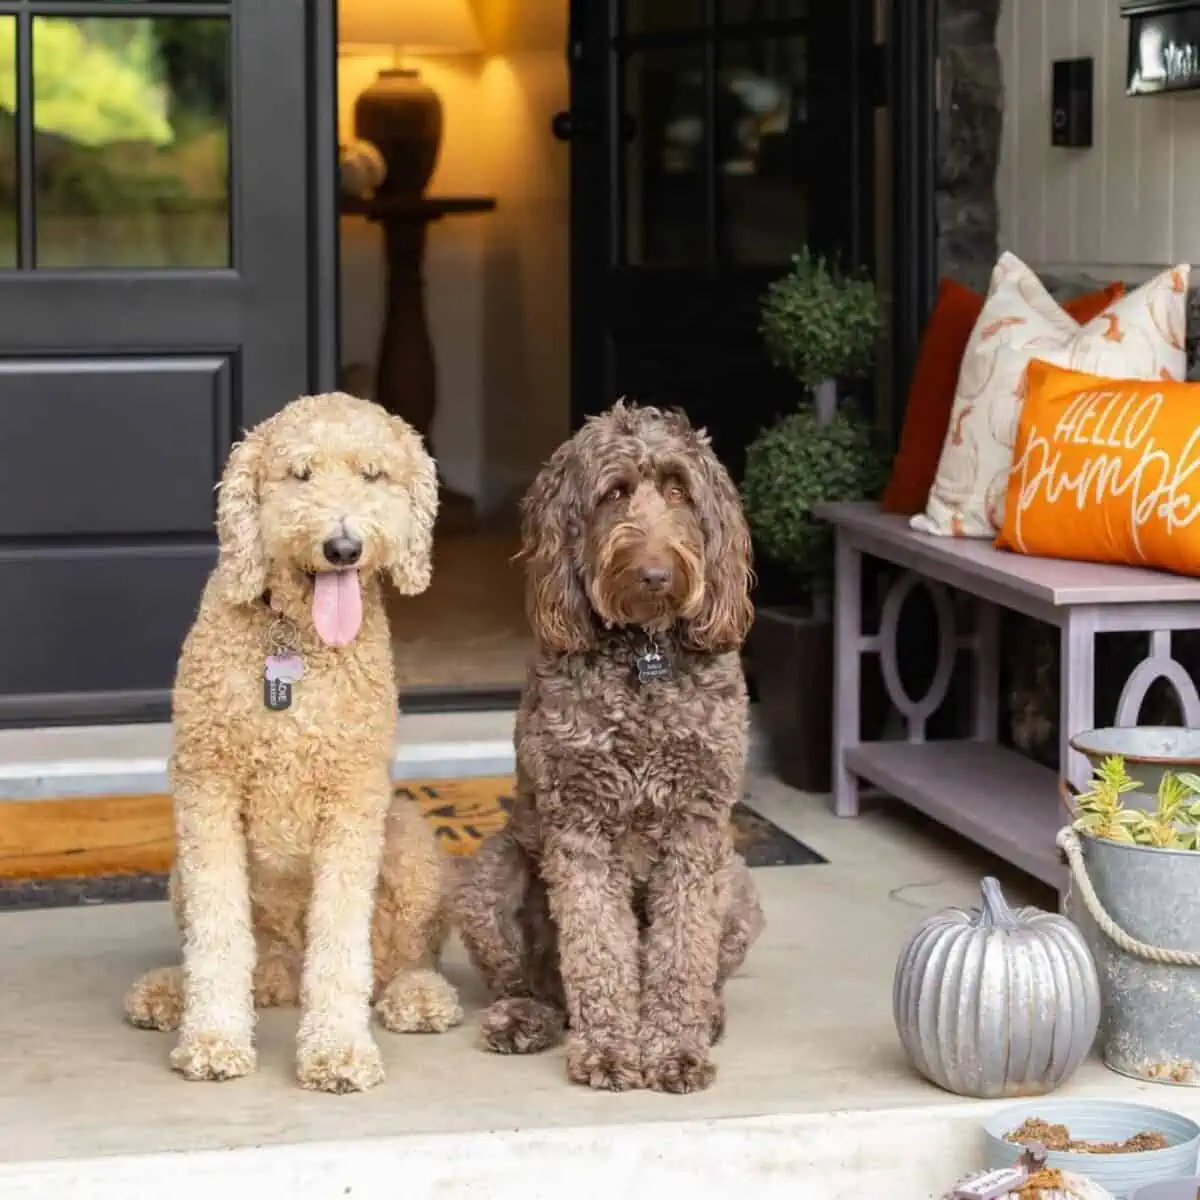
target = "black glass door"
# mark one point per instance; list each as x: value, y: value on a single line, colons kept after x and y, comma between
x: 710, y: 140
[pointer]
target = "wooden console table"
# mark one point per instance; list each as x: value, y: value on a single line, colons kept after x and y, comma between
x: 406, y: 380
x: 983, y: 791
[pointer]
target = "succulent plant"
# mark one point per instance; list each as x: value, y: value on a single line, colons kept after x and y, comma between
x: 1173, y: 823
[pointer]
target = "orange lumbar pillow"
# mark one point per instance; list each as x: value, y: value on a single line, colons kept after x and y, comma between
x: 934, y: 378
x: 1106, y: 470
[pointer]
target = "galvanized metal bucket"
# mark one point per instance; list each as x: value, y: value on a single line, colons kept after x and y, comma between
x: 1137, y: 908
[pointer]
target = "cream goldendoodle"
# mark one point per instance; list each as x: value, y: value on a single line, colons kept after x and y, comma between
x: 295, y: 870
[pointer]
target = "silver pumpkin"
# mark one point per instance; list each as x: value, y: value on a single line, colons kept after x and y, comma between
x: 993, y: 1002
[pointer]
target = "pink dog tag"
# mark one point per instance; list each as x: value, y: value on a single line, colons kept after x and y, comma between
x: 285, y: 668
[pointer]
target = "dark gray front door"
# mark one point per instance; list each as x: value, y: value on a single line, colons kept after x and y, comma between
x: 157, y: 279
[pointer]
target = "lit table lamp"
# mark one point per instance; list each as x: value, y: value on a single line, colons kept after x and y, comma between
x: 399, y: 113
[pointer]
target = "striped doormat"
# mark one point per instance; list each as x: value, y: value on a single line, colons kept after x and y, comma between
x: 108, y: 849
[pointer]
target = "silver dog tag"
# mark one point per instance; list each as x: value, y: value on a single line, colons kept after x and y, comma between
x: 653, y: 666
x: 280, y: 672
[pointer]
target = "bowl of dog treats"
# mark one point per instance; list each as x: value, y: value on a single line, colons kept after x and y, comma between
x: 1116, y: 1145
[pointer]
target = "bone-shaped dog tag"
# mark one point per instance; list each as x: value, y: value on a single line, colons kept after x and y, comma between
x: 287, y: 668
x: 990, y: 1184
x: 652, y: 666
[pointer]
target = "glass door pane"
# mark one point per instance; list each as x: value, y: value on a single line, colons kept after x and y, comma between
x: 8, y: 142
x: 764, y: 150
x: 748, y: 12
x: 653, y: 16
x: 131, y: 141
x: 665, y: 157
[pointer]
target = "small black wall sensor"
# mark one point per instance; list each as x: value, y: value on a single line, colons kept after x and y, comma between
x: 1071, y: 96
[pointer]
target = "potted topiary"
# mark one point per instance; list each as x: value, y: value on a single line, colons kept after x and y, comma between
x: 821, y: 325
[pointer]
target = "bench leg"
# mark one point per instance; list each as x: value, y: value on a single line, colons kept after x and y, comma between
x: 985, y: 707
x: 847, y: 672
x: 1158, y: 664
x: 1077, y: 696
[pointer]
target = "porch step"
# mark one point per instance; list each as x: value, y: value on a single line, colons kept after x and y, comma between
x: 131, y: 760
x: 901, y: 1154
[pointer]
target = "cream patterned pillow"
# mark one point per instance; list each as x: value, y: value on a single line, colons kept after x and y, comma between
x: 1139, y: 336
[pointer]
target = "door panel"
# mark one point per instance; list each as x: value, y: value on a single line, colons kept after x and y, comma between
x: 159, y: 298
x: 710, y: 140
x: 157, y: 478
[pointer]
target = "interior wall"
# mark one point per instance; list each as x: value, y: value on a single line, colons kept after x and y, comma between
x: 1126, y: 205
x: 496, y: 284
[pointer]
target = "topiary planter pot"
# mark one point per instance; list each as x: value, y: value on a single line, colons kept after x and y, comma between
x: 790, y: 654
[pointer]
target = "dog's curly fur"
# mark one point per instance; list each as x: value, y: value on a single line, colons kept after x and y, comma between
x: 614, y: 902
x: 293, y: 862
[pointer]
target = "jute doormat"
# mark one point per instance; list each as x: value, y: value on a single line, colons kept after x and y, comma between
x: 108, y: 849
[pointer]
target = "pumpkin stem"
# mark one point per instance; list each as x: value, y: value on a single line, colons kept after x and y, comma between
x: 996, y: 910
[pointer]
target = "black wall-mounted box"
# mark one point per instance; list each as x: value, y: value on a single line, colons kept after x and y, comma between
x: 1164, y: 46
x: 1071, y: 100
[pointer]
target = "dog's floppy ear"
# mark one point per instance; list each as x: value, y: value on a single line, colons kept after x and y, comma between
x: 241, y: 564
x: 551, y: 526
x: 727, y: 613
x: 411, y: 567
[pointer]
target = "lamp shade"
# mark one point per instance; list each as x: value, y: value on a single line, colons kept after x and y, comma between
x: 414, y: 26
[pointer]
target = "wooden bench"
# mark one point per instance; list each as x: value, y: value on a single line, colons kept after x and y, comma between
x: 980, y: 789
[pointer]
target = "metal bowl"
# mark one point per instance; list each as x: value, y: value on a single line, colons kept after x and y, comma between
x: 1149, y: 751
x: 1175, y: 1189
x: 1102, y: 1121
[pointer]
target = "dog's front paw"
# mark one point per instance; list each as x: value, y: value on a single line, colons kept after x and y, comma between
x: 419, y: 1002
x: 607, y: 1064
x: 678, y: 1069
x: 204, y: 1055
x: 156, y: 1000
x: 521, y: 1025
x: 339, y: 1066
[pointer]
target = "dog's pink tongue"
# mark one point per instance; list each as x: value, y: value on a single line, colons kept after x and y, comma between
x: 337, y: 607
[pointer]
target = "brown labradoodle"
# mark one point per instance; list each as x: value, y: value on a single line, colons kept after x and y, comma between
x: 295, y: 868
x: 615, y: 893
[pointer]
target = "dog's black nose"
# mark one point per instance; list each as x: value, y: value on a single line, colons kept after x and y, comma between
x: 655, y: 578
x: 343, y: 550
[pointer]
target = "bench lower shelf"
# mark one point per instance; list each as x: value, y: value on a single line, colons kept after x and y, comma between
x: 986, y: 793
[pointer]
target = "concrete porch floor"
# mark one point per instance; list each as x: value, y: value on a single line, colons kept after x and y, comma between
x: 813, y: 1097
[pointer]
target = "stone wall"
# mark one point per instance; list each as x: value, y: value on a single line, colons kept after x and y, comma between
x: 970, y: 121
x: 970, y: 124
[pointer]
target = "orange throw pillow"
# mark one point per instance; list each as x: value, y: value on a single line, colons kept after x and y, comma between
x: 935, y: 378
x: 1106, y: 470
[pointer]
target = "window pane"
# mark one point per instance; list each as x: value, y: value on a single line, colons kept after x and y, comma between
x: 8, y: 141
x: 665, y: 157
x: 132, y: 141
x: 741, y: 12
x: 647, y: 16
x: 766, y: 154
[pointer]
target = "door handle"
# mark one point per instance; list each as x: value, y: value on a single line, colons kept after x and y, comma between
x: 568, y: 127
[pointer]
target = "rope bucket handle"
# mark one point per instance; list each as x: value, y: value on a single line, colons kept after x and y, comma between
x: 1068, y: 842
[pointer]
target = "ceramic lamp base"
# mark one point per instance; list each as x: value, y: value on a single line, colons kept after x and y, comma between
x: 402, y: 117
